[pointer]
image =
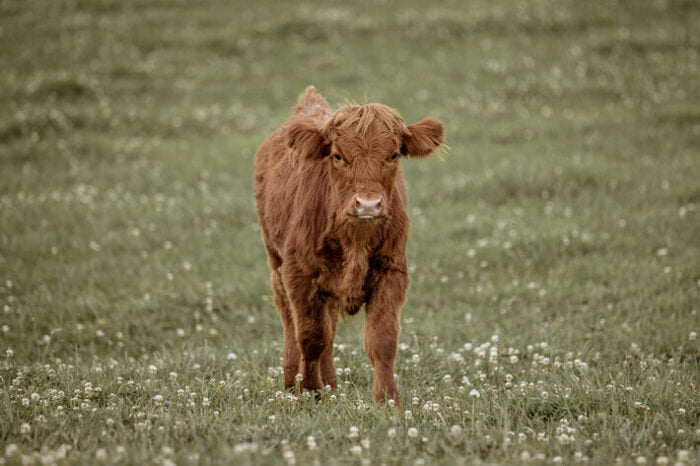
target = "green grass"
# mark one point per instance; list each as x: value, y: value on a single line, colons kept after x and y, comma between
x: 554, y: 254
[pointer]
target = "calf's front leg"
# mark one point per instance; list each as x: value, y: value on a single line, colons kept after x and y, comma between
x: 291, y: 357
x: 328, y: 377
x: 381, y: 332
x: 315, y: 341
x: 314, y: 326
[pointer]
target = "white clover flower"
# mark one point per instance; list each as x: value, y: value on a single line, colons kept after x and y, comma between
x: 101, y: 454
x: 299, y: 377
x: 288, y: 456
x: 456, y: 430
x: 245, y: 447
x: 356, y: 450
x: 412, y: 432
x: 408, y: 414
x: 365, y: 443
x: 692, y: 336
x: 231, y: 356
x: 311, y: 442
x: 158, y: 398
x: 25, y: 429
x: 153, y: 370
x: 391, y: 433
x: 474, y: 393
x: 354, y: 432
x: 564, y: 439
x: 11, y: 450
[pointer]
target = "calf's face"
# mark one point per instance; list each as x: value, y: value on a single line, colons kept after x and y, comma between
x: 362, y: 172
x: 362, y: 146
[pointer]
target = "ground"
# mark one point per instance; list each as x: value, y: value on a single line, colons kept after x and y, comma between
x: 554, y: 251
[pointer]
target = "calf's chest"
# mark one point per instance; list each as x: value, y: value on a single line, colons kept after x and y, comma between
x: 345, y: 274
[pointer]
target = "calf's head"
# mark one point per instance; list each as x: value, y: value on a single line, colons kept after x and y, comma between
x: 361, y: 146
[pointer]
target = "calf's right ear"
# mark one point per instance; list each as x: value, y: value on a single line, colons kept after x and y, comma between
x: 307, y: 141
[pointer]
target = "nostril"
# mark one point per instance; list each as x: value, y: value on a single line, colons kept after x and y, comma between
x: 368, y: 208
x: 360, y: 202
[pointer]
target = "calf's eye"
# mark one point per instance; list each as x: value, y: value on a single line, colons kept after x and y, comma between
x: 337, y: 157
x: 394, y: 156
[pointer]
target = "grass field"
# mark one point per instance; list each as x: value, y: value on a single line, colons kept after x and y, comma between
x: 554, y: 253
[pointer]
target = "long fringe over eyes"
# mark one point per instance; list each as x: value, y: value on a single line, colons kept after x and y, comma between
x: 361, y: 117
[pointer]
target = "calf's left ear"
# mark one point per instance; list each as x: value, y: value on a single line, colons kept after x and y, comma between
x: 423, y: 138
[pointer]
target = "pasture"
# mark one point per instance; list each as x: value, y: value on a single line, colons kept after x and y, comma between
x: 554, y: 252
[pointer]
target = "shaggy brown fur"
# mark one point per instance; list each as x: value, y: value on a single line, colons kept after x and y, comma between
x: 332, y: 207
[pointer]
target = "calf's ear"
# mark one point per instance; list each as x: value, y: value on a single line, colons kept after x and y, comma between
x: 306, y: 140
x: 423, y: 138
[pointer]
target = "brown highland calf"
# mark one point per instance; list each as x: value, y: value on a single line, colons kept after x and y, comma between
x: 332, y: 206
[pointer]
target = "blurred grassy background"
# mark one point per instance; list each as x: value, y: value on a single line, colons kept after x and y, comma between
x: 566, y: 211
